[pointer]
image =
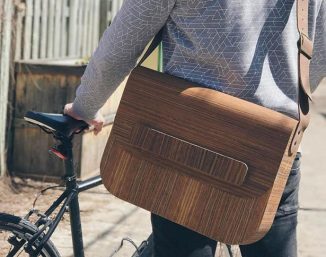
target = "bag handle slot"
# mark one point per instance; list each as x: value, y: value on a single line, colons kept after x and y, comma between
x: 176, y: 150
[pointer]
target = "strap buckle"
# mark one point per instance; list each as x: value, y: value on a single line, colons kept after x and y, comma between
x: 305, y: 46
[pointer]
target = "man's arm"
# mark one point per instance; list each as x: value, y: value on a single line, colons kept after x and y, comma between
x: 122, y: 43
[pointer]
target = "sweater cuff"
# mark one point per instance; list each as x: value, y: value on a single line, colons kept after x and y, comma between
x: 82, y: 111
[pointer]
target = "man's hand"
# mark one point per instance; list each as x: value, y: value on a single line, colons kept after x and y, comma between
x: 97, y: 123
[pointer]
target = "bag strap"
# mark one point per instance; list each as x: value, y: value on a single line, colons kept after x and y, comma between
x: 305, y: 49
x: 156, y: 41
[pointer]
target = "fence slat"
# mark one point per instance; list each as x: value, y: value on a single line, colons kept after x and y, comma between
x: 50, y: 52
x: 1, y: 15
x: 21, y: 11
x: 36, y: 29
x: 96, y: 25
x: 104, y: 15
x: 61, y: 28
x: 57, y: 26
x: 85, y: 23
x: 115, y: 8
x: 80, y: 27
x: 64, y: 16
x: 44, y: 28
x: 86, y: 26
x: 73, y: 15
x: 90, y: 27
x: 28, y: 29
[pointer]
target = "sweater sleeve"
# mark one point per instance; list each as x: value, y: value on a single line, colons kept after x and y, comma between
x: 122, y: 43
x: 318, y: 62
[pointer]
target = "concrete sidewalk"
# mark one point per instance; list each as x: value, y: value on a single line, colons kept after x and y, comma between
x: 312, y: 223
x: 106, y: 220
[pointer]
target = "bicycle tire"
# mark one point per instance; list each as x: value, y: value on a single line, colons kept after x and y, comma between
x: 21, y: 229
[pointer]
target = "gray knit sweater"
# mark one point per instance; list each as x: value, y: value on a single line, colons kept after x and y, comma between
x: 244, y: 48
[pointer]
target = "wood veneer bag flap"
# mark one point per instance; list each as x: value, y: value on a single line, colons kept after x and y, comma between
x: 203, y: 159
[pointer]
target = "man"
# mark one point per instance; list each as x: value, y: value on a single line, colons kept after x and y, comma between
x: 241, y: 47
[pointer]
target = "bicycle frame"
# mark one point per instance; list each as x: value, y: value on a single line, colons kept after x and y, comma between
x: 68, y: 199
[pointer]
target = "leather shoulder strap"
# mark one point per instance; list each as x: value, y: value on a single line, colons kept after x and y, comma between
x: 156, y: 41
x: 305, y: 44
x: 305, y: 49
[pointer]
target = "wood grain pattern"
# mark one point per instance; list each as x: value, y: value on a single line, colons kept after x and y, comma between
x: 231, y: 205
x: 190, y: 156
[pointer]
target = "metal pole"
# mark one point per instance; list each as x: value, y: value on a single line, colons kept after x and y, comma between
x: 74, y: 212
x: 4, y: 77
x: 76, y: 229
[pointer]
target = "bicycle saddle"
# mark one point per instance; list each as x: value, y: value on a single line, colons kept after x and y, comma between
x: 65, y: 125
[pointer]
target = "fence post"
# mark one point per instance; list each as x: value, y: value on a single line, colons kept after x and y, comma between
x: 5, y: 38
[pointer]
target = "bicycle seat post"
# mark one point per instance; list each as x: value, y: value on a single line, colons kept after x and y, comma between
x: 74, y: 210
x: 63, y: 128
x: 66, y: 148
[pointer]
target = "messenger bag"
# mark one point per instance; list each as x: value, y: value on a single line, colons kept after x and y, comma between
x: 203, y: 159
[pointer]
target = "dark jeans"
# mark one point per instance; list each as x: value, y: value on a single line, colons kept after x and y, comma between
x: 172, y: 240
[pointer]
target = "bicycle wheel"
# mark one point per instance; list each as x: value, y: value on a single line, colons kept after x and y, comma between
x: 14, y: 232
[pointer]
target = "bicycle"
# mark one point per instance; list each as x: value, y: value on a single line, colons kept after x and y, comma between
x: 33, y: 238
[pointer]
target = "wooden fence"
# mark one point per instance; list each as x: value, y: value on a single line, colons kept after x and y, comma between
x: 47, y: 29
x: 6, y: 11
x: 56, y: 29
